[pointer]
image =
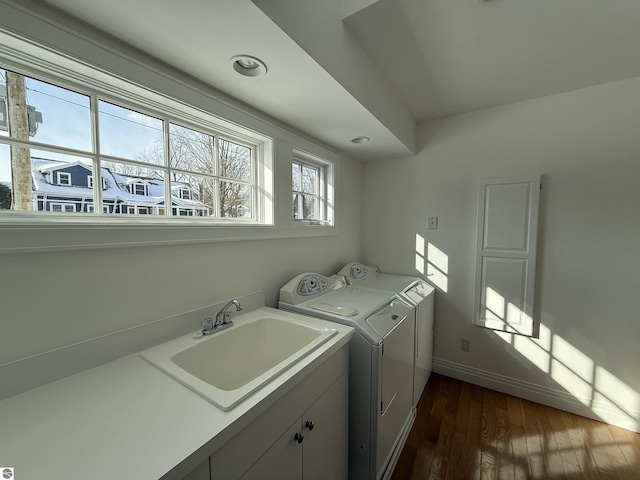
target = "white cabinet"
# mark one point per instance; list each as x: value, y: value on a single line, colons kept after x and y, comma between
x: 314, y: 447
x: 326, y: 443
x: 283, y: 460
x: 304, y: 435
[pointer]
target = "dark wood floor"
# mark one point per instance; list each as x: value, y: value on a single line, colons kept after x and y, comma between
x: 466, y: 432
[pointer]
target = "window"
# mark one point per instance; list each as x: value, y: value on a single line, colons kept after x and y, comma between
x: 215, y: 173
x: 64, y: 178
x: 90, y: 182
x: 120, y: 123
x: 62, y: 207
x: 310, y: 188
x: 139, y: 189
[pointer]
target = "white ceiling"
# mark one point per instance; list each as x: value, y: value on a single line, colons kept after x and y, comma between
x: 343, y: 68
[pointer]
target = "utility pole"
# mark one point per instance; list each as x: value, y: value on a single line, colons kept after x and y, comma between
x: 19, y: 129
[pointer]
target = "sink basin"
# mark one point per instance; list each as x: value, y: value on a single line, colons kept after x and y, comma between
x: 227, y: 367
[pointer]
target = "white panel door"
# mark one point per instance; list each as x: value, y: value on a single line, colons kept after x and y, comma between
x: 506, y: 254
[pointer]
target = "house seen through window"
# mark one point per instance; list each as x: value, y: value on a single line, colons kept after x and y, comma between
x: 149, y: 163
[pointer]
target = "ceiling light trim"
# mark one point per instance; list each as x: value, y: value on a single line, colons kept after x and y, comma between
x: 248, y: 65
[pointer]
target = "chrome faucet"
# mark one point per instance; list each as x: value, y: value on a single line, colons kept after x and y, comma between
x: 223, y: 319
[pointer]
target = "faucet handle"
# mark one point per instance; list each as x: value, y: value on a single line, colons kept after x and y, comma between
x: 207, y: 326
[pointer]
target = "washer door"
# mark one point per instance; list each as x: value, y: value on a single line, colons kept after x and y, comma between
x: 385, y: 320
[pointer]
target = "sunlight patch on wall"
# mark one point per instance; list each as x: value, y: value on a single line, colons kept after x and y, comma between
x: 571, y: 382
x: 420, y: 260
x: 433, y: 262
x: 536, y: 350
x: 570, y: 356
x: 610, y: 388
x: 438, y: 267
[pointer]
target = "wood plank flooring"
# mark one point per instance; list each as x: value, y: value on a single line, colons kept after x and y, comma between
x: 466, y: 432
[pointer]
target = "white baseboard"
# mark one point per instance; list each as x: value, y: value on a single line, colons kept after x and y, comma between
x: 602, y: 411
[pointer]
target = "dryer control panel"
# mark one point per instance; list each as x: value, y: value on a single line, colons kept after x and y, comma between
x: 355, y: 272
x: 309, y: 285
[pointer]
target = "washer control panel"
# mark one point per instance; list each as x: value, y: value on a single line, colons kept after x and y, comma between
x: 312, y: 284
x: 307, y: 286
x: 355, y: 272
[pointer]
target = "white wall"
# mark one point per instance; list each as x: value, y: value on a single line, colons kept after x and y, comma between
x: 586, y: 144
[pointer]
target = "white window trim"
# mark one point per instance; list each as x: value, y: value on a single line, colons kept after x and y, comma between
x: 90, y: 182
x: 66, y: 176
x: 136, y: 186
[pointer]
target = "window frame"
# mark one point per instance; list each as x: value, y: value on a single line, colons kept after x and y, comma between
x: 49, y: 52
x: 136, y: 186
x: 90, y: 182
x: 324, y: 181
x: 250, y: 139
x: 62, y: 206
x: 60, y: 176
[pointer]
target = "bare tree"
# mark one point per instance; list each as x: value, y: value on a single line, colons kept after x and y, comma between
x: 194, y: 153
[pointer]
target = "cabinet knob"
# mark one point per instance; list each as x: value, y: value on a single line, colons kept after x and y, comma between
x: 298, y: 437
x: 309, y: 425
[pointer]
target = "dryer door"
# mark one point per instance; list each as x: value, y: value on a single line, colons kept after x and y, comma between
x: 395, y: 374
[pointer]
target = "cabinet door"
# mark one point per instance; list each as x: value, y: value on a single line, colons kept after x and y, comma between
x: 283, y: 460
x: 326, y: 442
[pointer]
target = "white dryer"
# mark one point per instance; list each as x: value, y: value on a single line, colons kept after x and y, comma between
x: 417, y: 293
x: 381, y: 367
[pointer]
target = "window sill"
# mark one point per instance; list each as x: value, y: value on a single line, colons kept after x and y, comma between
x: 21, y: 235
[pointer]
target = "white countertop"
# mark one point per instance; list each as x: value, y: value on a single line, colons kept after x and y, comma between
x: 127, y: 419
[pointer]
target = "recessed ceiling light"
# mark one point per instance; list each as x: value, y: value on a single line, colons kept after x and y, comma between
x: 248, y: 66
x: 360, y: 139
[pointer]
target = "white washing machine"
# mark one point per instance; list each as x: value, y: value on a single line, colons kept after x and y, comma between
x: 417, y: 293
x: 381, y: 367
